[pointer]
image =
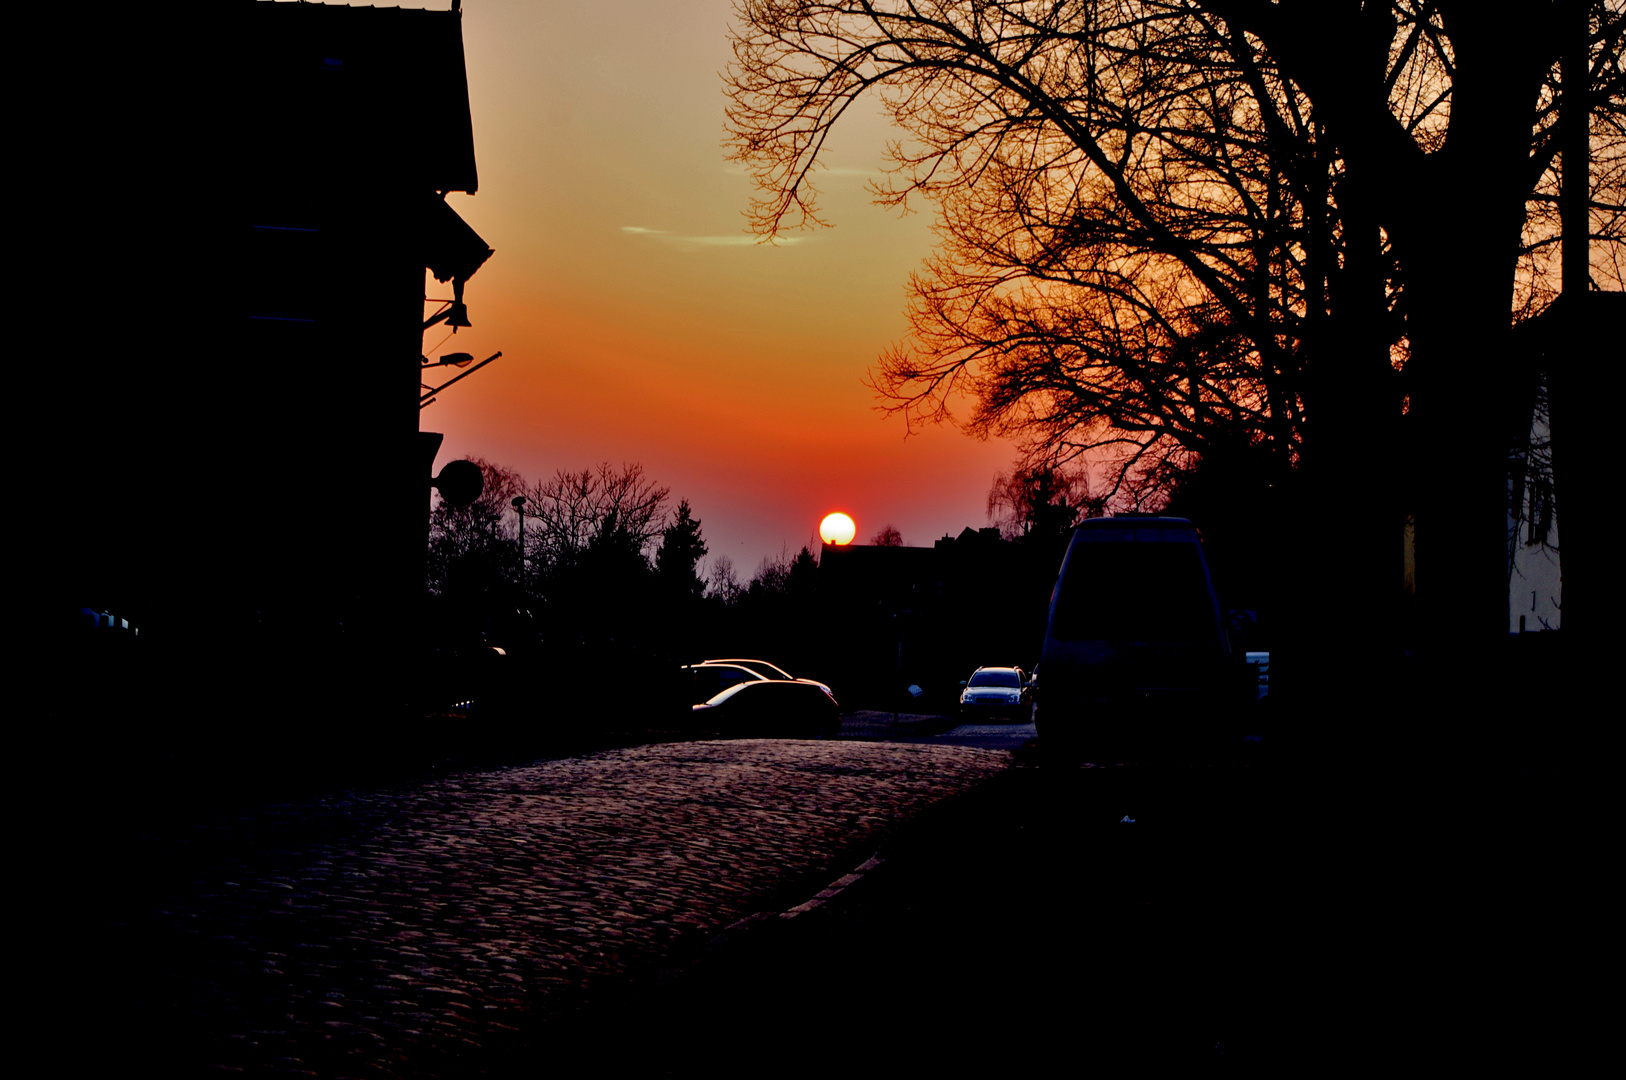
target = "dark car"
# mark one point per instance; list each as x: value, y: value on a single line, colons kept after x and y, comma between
x: 770, y: 707
x: 705, y: 681
x: 771, y: 671
x: 996, y: 692
x: 1136, y: 660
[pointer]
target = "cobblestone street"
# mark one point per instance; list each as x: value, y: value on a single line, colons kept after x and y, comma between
x: 416, y: 931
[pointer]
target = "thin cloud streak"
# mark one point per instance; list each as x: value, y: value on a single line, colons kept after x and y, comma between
x: 712, y: 241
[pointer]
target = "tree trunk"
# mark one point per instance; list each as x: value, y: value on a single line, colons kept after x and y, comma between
x: 1458, y: 248
x: 1570, y: 354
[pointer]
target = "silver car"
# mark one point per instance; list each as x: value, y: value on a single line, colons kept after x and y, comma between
x: 995, y: 692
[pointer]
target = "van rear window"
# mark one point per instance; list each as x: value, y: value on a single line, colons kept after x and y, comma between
x: 1152, y: 592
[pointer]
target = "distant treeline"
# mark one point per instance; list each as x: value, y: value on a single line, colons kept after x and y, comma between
x: 596, y: 586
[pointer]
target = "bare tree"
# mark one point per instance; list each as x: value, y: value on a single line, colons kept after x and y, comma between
x: 1168, y: 226
x: 889, y: 536
x: 1114, y: 274
x: 572, y: 513
x: 772, y: 577
x: 721, y: 580
x: 1040, y: 499
x: 474, y: 546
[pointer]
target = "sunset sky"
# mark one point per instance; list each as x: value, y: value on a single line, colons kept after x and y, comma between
x: 639, y: 322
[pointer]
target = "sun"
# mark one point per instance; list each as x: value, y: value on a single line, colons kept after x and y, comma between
x: 837, y: 529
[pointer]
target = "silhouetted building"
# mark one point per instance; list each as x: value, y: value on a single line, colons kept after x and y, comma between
x: 238, y: 273
x: 358, y: 123
x: 897, y: 616
x: 1560, y: 346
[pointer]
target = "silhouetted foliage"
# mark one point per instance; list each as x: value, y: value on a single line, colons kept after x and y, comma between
x: 1227, y: 495
x: 777, y: 611
x: 783, y: 582
x: 1041, y: 500
x: 589, y: 597
x: 772, y: 578
x: 599, y: 511
x: 473, y: 549
x: 588, y: 536
x: 803, y: 580
x: 1112, y: 219
x: 677, y: 564
x: 1170, y: 228
x: 889, y: 536
x: 587, y: 577
x: 722, y: 583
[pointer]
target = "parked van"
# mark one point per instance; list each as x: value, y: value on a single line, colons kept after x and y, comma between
x: 1136, y: 660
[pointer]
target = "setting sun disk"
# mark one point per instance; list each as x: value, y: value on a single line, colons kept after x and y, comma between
x: 837, y: 529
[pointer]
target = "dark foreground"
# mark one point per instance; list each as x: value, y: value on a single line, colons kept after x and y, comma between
x: 1187, y: 920
x: 590, y: 916
x: 1043, y: 920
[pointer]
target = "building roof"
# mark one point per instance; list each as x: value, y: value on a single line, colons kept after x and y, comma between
x: 343, y: 94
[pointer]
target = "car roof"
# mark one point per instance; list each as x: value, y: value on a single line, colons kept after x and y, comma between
x: 780, y: 686
x: 1133, y: 527
x: 725, y: 667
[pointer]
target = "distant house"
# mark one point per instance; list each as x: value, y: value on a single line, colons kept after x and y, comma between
x: 1535, y: 583
x: 1560, y: 466
x: 1535, y: 564
x: 897, y: 616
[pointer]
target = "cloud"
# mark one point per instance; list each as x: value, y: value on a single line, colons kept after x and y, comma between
x: 824, y: 170
x: 740, y: 240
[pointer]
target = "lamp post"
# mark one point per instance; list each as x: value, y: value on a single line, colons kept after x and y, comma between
x: 518, y: 502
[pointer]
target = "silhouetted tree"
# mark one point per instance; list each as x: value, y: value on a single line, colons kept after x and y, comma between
x: 603, y: 509
x: 473, y: 547
x: 1040, y: 500
x: 777, y: 614
x: 802, y: 581
x: 1112, y: 274
x: 588, y: 535
x: 722, y: 583
x: 1226, y: 493
x: 783, y: 583
x: 678, y: 561
x: 772, y: 578
x: 889, y: 536
x: 1166, y: 227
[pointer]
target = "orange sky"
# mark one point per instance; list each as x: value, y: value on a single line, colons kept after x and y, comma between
x: 640, y: 323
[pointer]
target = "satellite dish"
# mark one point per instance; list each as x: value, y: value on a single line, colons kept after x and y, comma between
x: 460, y: 482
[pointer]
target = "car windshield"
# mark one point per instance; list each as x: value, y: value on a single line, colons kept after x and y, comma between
x: 761, y: 667
x: 733, y: 672
x: 1009, y: 679
x: 1141, y: 592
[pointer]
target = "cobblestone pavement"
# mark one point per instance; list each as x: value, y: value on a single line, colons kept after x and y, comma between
x: 434, y: 929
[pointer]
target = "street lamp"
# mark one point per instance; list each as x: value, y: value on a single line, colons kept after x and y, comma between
x: 518, y: 503
x: 452, y: 360
x: 456, y: 359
